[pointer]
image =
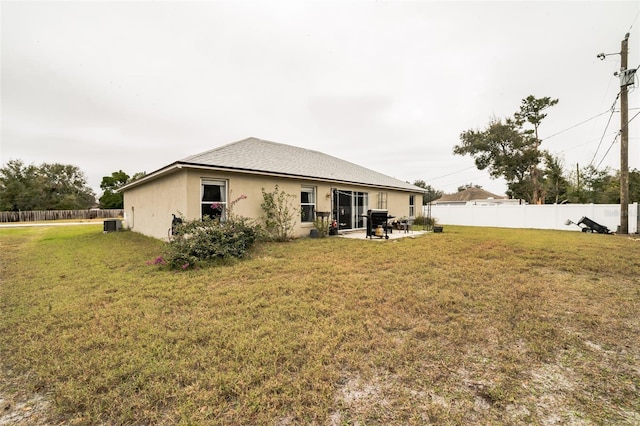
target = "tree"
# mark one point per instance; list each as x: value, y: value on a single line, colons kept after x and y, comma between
x: 596, y: 186
x: 430, y: 192
x: 46, y: 187
x: 506, y: 149
x: 111, y: 198
x: 19, y: 187
x: 634, y: 186
x: 65, y: 187
x: 555, y: 184
x: 468, y: 186
x: 531, y: 112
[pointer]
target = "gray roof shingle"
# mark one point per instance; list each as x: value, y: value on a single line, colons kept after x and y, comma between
x: 253, y: 154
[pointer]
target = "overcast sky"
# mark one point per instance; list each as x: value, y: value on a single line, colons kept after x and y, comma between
x: 388, y: 85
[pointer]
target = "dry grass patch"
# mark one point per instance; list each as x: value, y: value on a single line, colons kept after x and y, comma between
x: 490, y: 326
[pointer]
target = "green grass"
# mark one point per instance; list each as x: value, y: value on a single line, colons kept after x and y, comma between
x: 474, y: 325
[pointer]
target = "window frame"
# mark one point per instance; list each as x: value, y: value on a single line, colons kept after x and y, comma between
x: 224, y: 185
x: 313, y: 190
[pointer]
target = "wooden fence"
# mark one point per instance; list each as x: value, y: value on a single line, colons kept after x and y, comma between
x: 42, y: 215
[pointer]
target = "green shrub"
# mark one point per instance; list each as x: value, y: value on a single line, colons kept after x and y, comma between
x: 278, y: 215
x: 421, y: 220
x: 322, y: 224
x: 202, y: 240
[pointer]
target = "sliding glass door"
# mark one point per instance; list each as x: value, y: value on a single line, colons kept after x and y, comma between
x: 350, y: 208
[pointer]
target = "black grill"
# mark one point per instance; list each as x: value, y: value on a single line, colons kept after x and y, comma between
x: 377, y: 223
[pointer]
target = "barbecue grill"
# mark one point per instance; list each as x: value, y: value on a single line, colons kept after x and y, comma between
x: 377, y: 223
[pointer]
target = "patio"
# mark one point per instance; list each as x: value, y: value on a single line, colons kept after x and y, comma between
x: 396, y: 234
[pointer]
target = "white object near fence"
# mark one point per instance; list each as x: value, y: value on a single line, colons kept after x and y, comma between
x: 546, y: 216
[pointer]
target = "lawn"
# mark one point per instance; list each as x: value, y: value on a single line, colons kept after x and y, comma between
x: 470, y: 326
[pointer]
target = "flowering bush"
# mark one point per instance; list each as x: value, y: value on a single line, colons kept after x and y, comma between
x: 201, y: 240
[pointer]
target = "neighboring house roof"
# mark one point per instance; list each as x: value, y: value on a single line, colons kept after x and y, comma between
x: 468, y: 195
x: 253, y: 155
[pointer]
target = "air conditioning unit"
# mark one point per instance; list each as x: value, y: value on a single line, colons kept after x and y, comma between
x: 112, y: 225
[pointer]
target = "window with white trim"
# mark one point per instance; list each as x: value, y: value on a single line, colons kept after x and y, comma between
x: 307, y: 203
x: 213, y: 198
x: 412, y: 206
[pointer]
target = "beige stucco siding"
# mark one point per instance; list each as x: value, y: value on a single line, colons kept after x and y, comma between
x: 251, y: 186
x: 148, y: 206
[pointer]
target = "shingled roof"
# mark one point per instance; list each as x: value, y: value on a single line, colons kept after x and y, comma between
x: 469, y: 194
x: 258, y: 155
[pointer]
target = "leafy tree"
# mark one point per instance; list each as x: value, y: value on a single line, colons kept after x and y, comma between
x: 19, y: 187
x: 507, y: 149
x: 65, y: 187
x: 46, y: 187
x: 136, y: 176
x: 468, y: 186
x: 430, y: 192
x: 111, y: 198
x: 555, y: 185
x: 634, y: 186
x: 531, y: 112
x: 596, y: 186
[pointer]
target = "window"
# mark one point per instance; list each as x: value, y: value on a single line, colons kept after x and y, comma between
x: 213, y: 199
x: 412, y: 206
x: 307, y: 204
x: 382, y: 200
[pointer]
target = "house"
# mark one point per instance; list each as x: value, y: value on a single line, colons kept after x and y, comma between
x: 474, y: 197
x: 206, y: 184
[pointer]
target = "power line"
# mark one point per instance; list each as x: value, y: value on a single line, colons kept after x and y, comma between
x: 453, y: 173
x: 605, y: 129
x: 609, y: 149
x: 575, y: 125
x: 634, y: 21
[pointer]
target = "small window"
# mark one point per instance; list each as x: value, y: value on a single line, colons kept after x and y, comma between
x: 412, y: 206
x: 213, y: 199
x: 382, y: 200
x: 307, y: 204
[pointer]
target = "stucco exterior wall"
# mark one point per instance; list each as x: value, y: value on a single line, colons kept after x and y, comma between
x: 148, y: 207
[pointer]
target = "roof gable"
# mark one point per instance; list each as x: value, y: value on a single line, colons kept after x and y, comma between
x: 469, y: 194
x: 258, y: 155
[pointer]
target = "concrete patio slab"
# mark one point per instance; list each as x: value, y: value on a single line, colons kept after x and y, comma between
x: 362, y: 235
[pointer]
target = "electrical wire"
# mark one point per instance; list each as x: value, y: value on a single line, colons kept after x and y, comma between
x: 453, y: 173
x: 575, y: 125
x: 634, y: 21
x: 606, y: 153
x: 614, y: 141
x: 605, y: 129
x: 627, y: 125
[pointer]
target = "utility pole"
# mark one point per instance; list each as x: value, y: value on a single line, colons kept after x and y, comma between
x: 626, y: 79
x: 624, y: 139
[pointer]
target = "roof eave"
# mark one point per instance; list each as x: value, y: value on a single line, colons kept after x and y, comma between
x: 171, y: 168
x: 180, y: 164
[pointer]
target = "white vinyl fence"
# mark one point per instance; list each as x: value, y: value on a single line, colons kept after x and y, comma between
x: 548, y: 216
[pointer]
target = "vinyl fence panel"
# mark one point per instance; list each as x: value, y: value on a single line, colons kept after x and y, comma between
x: 548, y: 216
